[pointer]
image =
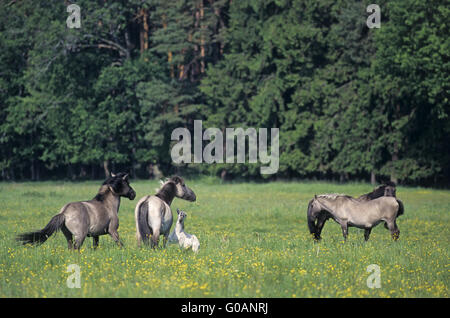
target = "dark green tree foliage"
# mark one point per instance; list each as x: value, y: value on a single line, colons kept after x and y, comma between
x: 350, y: 102
x: 412, y: 77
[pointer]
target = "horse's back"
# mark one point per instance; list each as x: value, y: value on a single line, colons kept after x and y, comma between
x: 159, y: 214
x: 384, y: 203
x: 382, y: 208
x: 365, y: 214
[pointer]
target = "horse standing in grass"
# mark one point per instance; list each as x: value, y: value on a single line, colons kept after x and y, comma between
x: 95, y: 217
x: 387, y: 189
x: 153, y: 215
x: 178, y: 235
x: 348, y: 211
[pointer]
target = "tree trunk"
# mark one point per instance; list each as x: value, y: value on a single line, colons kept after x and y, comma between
x: 92, y: 171
x: 106, y: 168
x: 394, y: 177
x: 37, y: 172
x: 83, y: 172
x: 202, y: 40
x: 144, y: 30
x: 169, y: 53
x: 133, y: 157
x: 181, y: 72
x: 218, y: 13
x: 373, y: 178
x: 395, y: 151
x: 223, y: 175
x: 70, y: 172
x: 33, y: 170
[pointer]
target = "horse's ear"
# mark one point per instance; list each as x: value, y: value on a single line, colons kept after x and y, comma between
x: 113, y: 174
x: 178, y: 211
x: 176, y: 179
x: 391, y: 183
x: 315, y: 196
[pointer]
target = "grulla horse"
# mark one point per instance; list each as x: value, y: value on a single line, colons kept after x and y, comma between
x: 387, y: 189
x: 348, y: 211
x: 153, y: 215
x: 95, y: 217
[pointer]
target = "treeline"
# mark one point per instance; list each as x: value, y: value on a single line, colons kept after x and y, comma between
x: 351, y: 103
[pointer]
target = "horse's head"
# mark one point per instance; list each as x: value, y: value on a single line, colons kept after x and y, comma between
x: 120, y: 186
x: 389, y: 189
x: 313, y: 206
x: 316, y: 205
x: 181, y: 190
x: 314, y: 209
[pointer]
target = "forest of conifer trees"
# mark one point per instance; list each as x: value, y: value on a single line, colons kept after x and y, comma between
x: 351, y: 102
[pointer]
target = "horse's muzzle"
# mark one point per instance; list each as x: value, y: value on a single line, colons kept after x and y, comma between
x: 131, y: 194
x: 190, y: 197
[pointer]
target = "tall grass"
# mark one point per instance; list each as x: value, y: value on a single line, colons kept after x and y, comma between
x: 254, y: 242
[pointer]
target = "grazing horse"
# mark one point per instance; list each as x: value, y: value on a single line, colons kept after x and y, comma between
x: 348, y: 211
x: 178, y: 235
x: 95, y: 217
x: 153, y: 215
x: 387, y: 189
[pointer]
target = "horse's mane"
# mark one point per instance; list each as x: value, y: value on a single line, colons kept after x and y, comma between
x: 104, y: 189
x: 166, y: 191
x: 114, y: 182
x: 334, y: 196
x: 162, y: 183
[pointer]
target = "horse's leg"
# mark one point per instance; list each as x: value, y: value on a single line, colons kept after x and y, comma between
x: 112, y: 231
x: 320, y: 224
x: 115, y: 236
x: 79, y: 239
x: 165, y: 238
x: 367, y: 234
x: 95, y: 241
x: 155, y: 238
x: 393, y: 228
x: 344, y: 228
x: 68, y: 236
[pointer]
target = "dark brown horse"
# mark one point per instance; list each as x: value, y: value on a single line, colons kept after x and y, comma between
x: 95, y: 217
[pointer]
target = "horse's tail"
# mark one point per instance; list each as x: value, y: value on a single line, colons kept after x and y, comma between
x: 39, y: 237
x: 311, y: 220
x: 401, y: 208
x: 143, y: 230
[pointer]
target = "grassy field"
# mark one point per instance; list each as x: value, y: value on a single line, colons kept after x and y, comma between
x: 254, y: 242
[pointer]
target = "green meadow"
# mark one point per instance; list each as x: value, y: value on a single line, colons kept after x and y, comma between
x: 254, y: 242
